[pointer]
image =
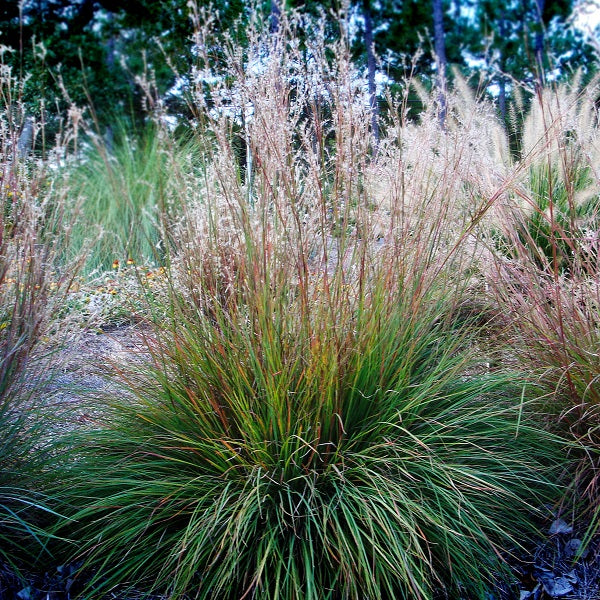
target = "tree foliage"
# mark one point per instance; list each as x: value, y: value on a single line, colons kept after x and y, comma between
x: 90, y: 52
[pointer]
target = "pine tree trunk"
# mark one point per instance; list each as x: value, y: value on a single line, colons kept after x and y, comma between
x: 502, y: 80
x: 502, y: 98
x: 275, y: 16
x: 25, y: 141
x: 440, y: 56
x: 539, y: 40
x: 371, y: 68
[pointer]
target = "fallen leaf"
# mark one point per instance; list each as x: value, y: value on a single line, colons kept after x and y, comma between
x: 560, y: 527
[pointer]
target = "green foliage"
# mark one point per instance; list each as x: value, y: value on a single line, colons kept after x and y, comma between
x: 93, y: 52
x: 554, y: 327
x: 73, y: 51
x: 27, y: 296
x: 311, y: 422
x: 95, y: 55
x: 22, y: 308
x: 506, y: 34
x: 555, y: 230
x: 127, y: 194
x: 315, y: 419
x: 547, y: 279
x: 555, y: 215
x: 25, y: 512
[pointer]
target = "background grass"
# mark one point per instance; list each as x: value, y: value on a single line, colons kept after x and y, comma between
x: 33, y: 282
x: 127, y: 194
x: 548, y: 288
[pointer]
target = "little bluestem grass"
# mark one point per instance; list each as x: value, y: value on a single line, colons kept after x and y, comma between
x: 271, y: 456
x: 313, y: 423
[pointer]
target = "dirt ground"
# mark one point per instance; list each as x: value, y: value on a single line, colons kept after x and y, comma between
x: 88, y: 362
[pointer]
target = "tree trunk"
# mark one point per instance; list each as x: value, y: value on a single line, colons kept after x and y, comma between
x: 248, y: 166
x: 371, y: 68
x: 275, y: 16
x: 440, y: 56
x: 110, y: 46
x: 25, y: 141
x: 502, y: 97
x: 502, y: 80
x: 539, y: 40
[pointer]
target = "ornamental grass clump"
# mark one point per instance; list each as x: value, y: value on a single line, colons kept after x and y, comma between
x: 275, y: 453
x: 556, y: 203
x: 312, y: 422
x: 547, y: 283
x: 31, y: 288
x: 127, y: 192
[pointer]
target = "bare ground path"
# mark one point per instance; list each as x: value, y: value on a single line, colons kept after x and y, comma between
x: 85, y: 362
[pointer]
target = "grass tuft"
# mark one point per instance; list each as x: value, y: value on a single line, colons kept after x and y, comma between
x: 547, y: 285
x: 33, y: 284
x: 314, y: 421
x: 128, y: 192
